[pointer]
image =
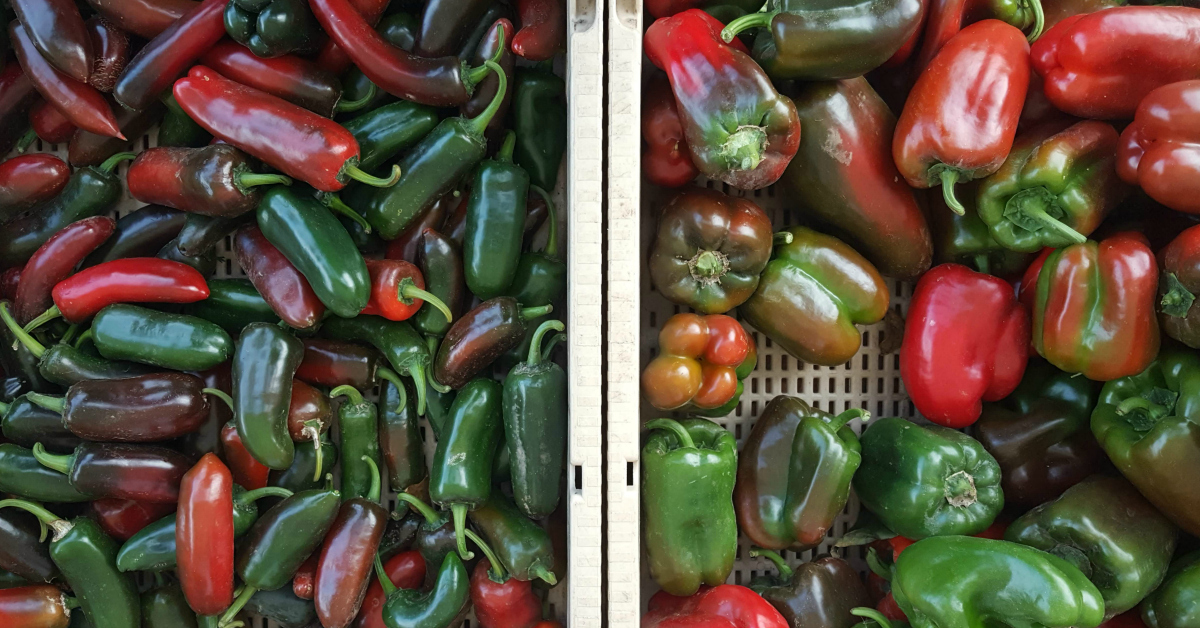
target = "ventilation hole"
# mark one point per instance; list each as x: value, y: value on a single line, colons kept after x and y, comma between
x: 866, y: 339
x: 628, y: 474
x: 578, y: 477
x: 816, y: 386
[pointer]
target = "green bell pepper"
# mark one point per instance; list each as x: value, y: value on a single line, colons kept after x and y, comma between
x: 270, y: 28
x: 539, y: 116
x: 965, y: 239
x: 1176, y: 604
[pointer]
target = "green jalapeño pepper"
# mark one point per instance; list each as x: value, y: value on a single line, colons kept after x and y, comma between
x: 461, y: 474
x: 794, y: 474
x: 967, y: 582
x: 541, y: 277
x: 400, y: 442
x: 26, y: 423
x: 164, y: 606
x: 21, y: 474
x: 270, y: 28
x: 835, y: 40
x: 1110, y: 532
x: 233, y: 304
x: 965, y: 239
x: 282, y: 607
x: 480, y: 336
x: 384, y: 132
x: 495, y: 223
x: 65, y: 364
x: 1055, y: 188
x: 173, y: 341
x: 815, y: 594
x: 308, y: 467
x: 690, y: 529
x: 535, y: 428
x: 539, y: 116
x: 263, y: 366
x: 927, y: 481
x: 435, y: 537
x: 1176, y: 604
x: 396, y: 340
x: 521, y: 545
x: 358, y: 435
x: 438, y: 608
x: 1148, y: 425
x: 178, y: 129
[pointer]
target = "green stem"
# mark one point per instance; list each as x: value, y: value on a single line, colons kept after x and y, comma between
x: 251, y: 179
x: 681, y: 433
x: 335, y: 203
x: 3, y: 407
x: 459, y: 512
x: 549, y: 348
x: 840, y: 421
x: 312, y: 431
x: 362, y: 176
x: 69, y: 603
x: 26, y: 141
x: 745, y: 23
x: 408, y: 291
x: 479, y: 123
x: 535, y: 344
x: 35, y: 347
x: 69, y: 335
x: 60, y: 526
x: 1039, y: 20
x: 374, y: 491
x: 785, y: 572
x: 346, y: 106
x: 551, y: 248
x: 1052, y: 223
x: 949, y: 177
x: 389, y: 587
x: 473, y: 76
x: 57, y: 462
x: 876, y: 565
x: 983, y: 263
x: 1177, y: 299
x: 531, y: 313
x: 872, y: 614
x: 425, y: 510
x: 439, y: 387
x: 111, y: 163
x: 249, y: 497
x: 238, y: 604
x: 53, y: 404
x: 497, y: 573
x: 393, y: 378
x: 1123, y: 408
x: 783, y: 237
x: 544, y: 574
x: 221, y: 394
x: 349, y: 391
x: 83, y: 338
x: 417, y: 373
x: 506, y: 149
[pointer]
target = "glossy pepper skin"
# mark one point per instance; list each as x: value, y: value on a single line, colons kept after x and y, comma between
x: 1040, y: 436
x: 396, y: 340
x: 174, y: 341
x: 58, y: 33
x: 27, y: 180
x: 398, y: 291
x: 123, y: 518
x: 975, y: 573
x: 1094, y: 310
x: 816, y: 594
x: 927, y: 481
x: 718, y: 87
x: 233, y: 304
x: 966, y: 239
x: 263, y: 366
x: 358, y: 436
x: 23, y: 553
x: 144, y: 18
x: 541, y: 277
x: 721, y: 605
x: 508, y: 604
x: 1106, y: 528
x: 941, y: 138
x: 495, y: 223
x: 543, y: 29
x: 487, y: 47
x: 279, y: 282
x: 204, y: 534
x: 1155, y: 150
x: 384, y: 132
x: 1177, y: 287
x: 25, y: 477
x: 539, y: 116
x: 521, y: 545
x: 169, y: 54
x: 90, y: 149
x: 535, y: 428
x: 26, y: 423
x: 273, y: 28
x: 401, y: 446
x: 710, y: 250
x: 165, y: 606
x: 480, y: 336
x: 967, y: 328
x: 19, y: 96
x: 334, y: 363
x: 139, y: 234
x: 688, y: 470
x: 437, y: 608
x: 36, y: 606
x: 86, y: 293
x: 111, y: 51
x: 1174, y: 604
x: 56, y: 260
x: 294, y: 79
x: 666, y: 160
x: 348, y: 555
x: 215, y: 180
x: 148, y: 408
x: 794, y: 474
x: 810, y: 270
x: 405, y: 570
x: 178, y: 130
x: 440, y: 259
x: 120, y: 470
x: 79, y: 102
x: 697, y: 363
x: 49, y: 125
x: 445, y: 24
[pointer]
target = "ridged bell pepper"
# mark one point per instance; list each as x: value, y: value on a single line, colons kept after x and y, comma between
x: 717, y: 607
x: 967, y: 582
x: 840, y: 287
x: 688, y: 521
x: 1158, y: 151
x: 273, y: 28
x: 966, y: 341
x: 814, y: 594
x: 837, y: 40
x: 942, y: 137
x: 1110, y: 532
x: 965, y: 239
x: 794, y: 474
x: 698, y: 362
x: 1040, y: 435
x: 1094, y: 312
x: 927, y: 481
x: 1178, y: 285
x: 738, y: 128
x: 1176, y: 604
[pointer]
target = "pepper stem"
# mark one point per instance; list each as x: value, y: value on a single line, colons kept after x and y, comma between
x: 374, y: 491
x: 840, y: 421
x: 83, y: 338
x: 60, y: 463
x: 312, y: 432
x: 535, y: 344
x: 417, y: 373
x: 425, y: 510
x: 23, y: 337
x: 251, y: 179
x: 983, y: 263
x: 349, y: 391
x: 249, y: 497
x: 69, y: 602
x: 1032, y: 204
x: 785, y: 572
x: 542, y: 573
x: 1125, y: 407
x: 949, y: 177
x: 335, y: 203
x: 222, y: 395
x: 960, y: 489
x: 530, y: 313
x: 238, y: 604
x: 1177, y: 299
x: 59, y: 525
x: 681, y: 433
x: 872, y: 614
x: 69, y: 335
x: 53, y: 404
x: 393, y: 378
x: 459, y: 512
x: 346, y: 106
x: 473, y: 76
x: 26, y: 141
x: 745, y: 23
x: 876, y: 565
x: 43, y: 318
x: 438, y: 386
x: 506, y: 149
x: 1039, y: 20
x: 479, y: 123
x: 385, y: 582
x: 496, y: 572
x: 743, y: 149
x: 783, y: 237
x: 3, y: 407
x: 111, y: 163
x: 362, y: 176
x: 408, y: 291
x: 551, y: 248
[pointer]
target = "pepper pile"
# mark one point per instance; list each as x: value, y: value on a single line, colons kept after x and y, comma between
x: 1047, y: 478
x: 161, y: 417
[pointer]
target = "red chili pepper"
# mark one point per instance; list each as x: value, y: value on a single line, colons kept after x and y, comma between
x: 1160, y: 150
x: 508, y: 604
x: 57, y: 29
x: 144, y: 18
x: 35, y: 606
x: 27, y: 180
x: 960, y: 119
x: 334, y: 363
x: 212, y: 180
x: 406, y: 570
x: 543, y: 29
x: 49, y: 124
x: 666, y: 160
x: 286, y: 137
x: 54, y: 261
x: 406, y: 245
x: 247, y: 472
x: 966, y: 341
x: 9, y: 280
x: 162, y: 60
x: 296, y: 80
x: 485, y: 91
x: 302, y: 582
x: 398, y: 291
x: 332, y: 57
x: 348, y: 556
x: 111, y: 48
x: 123, y: 518
x: 17, y: 96
x: 1101, y: 65
x: 204, y: 536
x: 81, y: 103
x: 441, y: 82
x: 277, y: 280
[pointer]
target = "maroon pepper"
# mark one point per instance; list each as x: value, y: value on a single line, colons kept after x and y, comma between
x: 123, y: 518
x: 543, y: 29
x: 286, y: 137
x: 332, y: 57
x: 111, y: 47
x: 162, y: 60
x: 10, y: 280
x: 17, y: 96
x: 309, y: 415
x: 348, y: 555
x: 485, y: 92
x: 27, y: 180
x: 277, y: 280
x: 406, y: 245
x: 81, y: 103
x: 306, y: 576
x: 90, y: 149
x: 120, y: 471
x: 56, y: 29
x: 144, y: 18
x: 49, y: 124
x: 54, y: 261
x: 141, y: 409
x: 214, y: 180
x: 334, y: 363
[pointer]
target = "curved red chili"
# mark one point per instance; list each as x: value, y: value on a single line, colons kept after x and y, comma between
x: 543, y: 29
x: 332, y: 57
x: 279, y: 282
x: 144, y: 18
x: 204, y: 536
x: 166, y: 57
x: 49, y: 124
x: 305, y: 578
x: 27, y: 180
x: 123, y: 518
x: 294, y: 79
x: 81, y: 103
x: 54, y: 261
x: 57, y: 29
x: 398, y: 291
x: 111, y: 48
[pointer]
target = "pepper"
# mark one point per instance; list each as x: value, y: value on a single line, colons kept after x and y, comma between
x: 404, y: 246
x: 543, y: 29
x: 435, y: 537
x: 495, y: 223
x: 358, y: 436
x: 169, y: 54
x: 177, y: 129
x: 522, y: 546
x: 11, y: 581
x: 204, y: 534
x: 541, y: 277
x: 214, y: 180
x: 91, y: 191
x: 165, y: 606
x: 87, y: 558
x: 941, y: 139
x: 927, y: 481
x: 1095, y: 307
x: 174, y: 341
x: 19, y: 362
x: 441, y: 261
x: 144, y: 18
x: 398, y: 291
x: 1173, y: 605
x: 480, y: 336
x: 502, y: 602
x: 977, y: 575
x: 396, y: 340
x: 141, y: 409
x: 333, y: 363
x: 400, y: 443
x: 54, y: 261
x: 309, y: 416
x: 272, y: 28
x: 332, y: 57
x: 438, y: 608
x: 247, y: 471
x: 123, y: 518
x: 57, y: 32
x: 843, y: 287
x: 263, y: 366
x: 79, y: 102
x: 233, y: 304
x: 445, y: 24
x: 294, y: 79
x: 794, y: 474
x: 36, y: 606
x: 280, y: 283
x: 111, y: 50
x: 204, y: 262
x: 818, y: 594
x: 747, y: 146
x: 23, y: 552
x: 399, y: 536
x: 966, y: 328
x: 539, y: 116
x: 22, y: 475
x: 721, y: 605
x: 535, y: 427
x: 1177, y: 287
x: 966, y: 240
x: 1154, y: 150
x: 348, y: 555
x: 308, y: 466
x: 282, y: 607
x: 667, y: 8
x: 17, y: 96
x: 120, y: 470
x: 139, y: 233
x: 697, y: 362
x: 28, y: 180
x: 489, y: 45
x: 666, y: 161
x: 384, y: 132
x: 49, y: 125
x: 302, y: 582
x: 90, y: 149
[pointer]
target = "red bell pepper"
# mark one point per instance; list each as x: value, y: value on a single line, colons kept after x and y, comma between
x: 1160, y: 150
x: 166, y: 57
x: 306, y: 576
x: 56, y: 30
x: 286, y: 137
x: 543, y: 29
x: 960, y: 119
x: 966, y: 341
x: 204, y: 536
x: 698, y: 362
x: 507, y: 604
x: 1101, y: 65
x: 948, y: 17
x: 666, y: 160
x: 17, y: 96
x: 331, y: 57
x: 49, y: 124
x: 111, y: 49
x: 27, y: 180
x: 54, y: 261
x: 1095, y: 308
x: 123, y: 518
x: 747, y: 144
x: 721, y: 606
x: 144, y: 18
x: 296, y: 80
x: 405, y: 570
x: 398, y: 291
x: 279, y: 282
x: 36, y: 606
x: 79, y: 102
x: 247, y: 471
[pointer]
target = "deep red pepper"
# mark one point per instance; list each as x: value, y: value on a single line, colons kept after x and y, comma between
x: 348, y: 556
x: 332, y: 57
x: 726, y: 604
x: 247, y: 472
x: 81, y: 103
x: 123, y: 518
x: 666, y: 160
x: 296, y: 80
x: 309, y: 416
x: 54, y: 261
x: 50, y: 125
x: 122, y: 470
x: 1159, y: 151
x: 277, y: 280
x: 27, y: 180
x: 508, y: 604
x: 9, y: 281
x: 286, y: 137
x: 17, y: 96
x: 214, y: 180
x: 543, y: 29
x: 398, y: 290
x: 406, y: 570
x: 334, y: 363
x: 144, y: 18
x: 204, y: 536
x: 959, y: 120
x: 302, y: 582
x: 56, y: 29
x: 406, y: 245
x: 89, y: 149
x: 36, y: 606
x: 162, y: 60
x: 111, y: 49
x: 485, y: 91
